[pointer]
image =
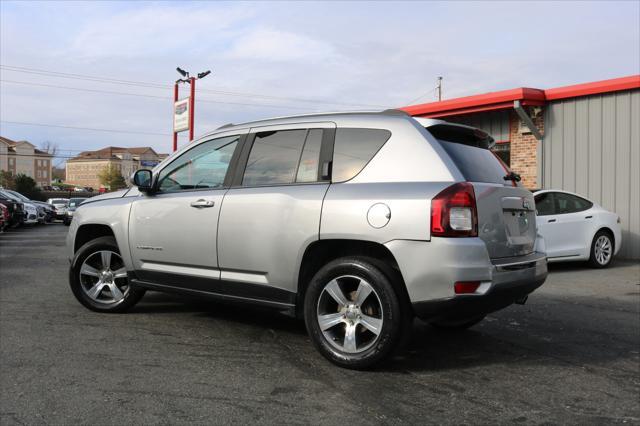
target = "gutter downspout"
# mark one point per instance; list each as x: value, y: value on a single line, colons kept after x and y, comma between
x: 527, y: 120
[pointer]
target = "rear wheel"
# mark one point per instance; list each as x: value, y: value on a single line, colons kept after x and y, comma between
x: 98, y: 277
x: 601, y: 250
x: 458, y: 323
x: 353, y: 314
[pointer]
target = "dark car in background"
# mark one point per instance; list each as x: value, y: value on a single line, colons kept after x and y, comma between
x: 60, y: 207
x: 15, y: 208
x: 73, y: 205
x: 46, y: 212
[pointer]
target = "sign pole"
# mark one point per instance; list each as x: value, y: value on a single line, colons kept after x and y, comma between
x: 175, y: 134
x: 192, y: 104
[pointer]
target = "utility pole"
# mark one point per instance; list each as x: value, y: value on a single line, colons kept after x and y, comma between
x: 439, y: 88
x: 191, y: 102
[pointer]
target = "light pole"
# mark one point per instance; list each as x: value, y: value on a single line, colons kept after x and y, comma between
x: 192, y: 100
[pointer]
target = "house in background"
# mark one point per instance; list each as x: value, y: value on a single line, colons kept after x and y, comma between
x: 83, y: 169
x: 22, y: 157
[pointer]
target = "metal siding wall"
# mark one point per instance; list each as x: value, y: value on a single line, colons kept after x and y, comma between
x: 592, y: 146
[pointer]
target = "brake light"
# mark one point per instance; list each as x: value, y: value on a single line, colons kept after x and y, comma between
x: 466, y: 287
x: 454, y: 212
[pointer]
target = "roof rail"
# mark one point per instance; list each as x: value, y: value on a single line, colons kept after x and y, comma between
x: 224, y: 126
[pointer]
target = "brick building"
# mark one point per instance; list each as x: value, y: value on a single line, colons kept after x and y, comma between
x: 83, y: 169
x: 583, y: 138
x: 22, y: 157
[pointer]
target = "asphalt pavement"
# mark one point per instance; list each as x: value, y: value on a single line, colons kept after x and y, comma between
x: 570, y: 355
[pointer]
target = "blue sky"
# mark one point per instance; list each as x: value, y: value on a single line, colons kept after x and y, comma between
x: 286, y: 58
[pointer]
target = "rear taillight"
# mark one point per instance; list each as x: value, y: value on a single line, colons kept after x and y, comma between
x: 454, y: 212
x: 466, y: 287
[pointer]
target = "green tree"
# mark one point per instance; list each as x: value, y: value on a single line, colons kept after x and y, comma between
x: 111, y: 178
x: 7, y: 180
x: 27, y: 186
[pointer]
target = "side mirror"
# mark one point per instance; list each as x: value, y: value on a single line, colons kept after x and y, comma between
x: 143, y: 179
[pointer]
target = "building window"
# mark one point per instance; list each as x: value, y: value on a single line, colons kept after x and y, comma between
x: 503, y: 150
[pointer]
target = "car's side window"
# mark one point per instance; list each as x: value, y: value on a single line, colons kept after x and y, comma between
x: 353, y: 149
x: 202, y: 167
x: 282, y: 157
x: 567, y: 203
x: 308, y: 166
x: 544, y: 204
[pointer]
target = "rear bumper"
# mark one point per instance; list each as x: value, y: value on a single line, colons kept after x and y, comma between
x: 430, y: 270
x: 507, y: 287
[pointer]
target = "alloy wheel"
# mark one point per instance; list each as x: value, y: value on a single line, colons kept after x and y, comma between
x: 603, y: 250
x: 349, y: 313
x: 103, y: 277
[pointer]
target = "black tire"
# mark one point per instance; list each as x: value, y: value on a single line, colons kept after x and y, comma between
x: 66, y: 222
x: 395, y: 316
x: 458, y: 323
x: 594, y: 260
x: 131, y: 296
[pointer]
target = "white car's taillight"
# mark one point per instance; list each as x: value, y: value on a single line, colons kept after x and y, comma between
x: 454, y: 212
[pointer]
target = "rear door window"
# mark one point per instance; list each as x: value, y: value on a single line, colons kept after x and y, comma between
x: 274, y: 157
x: 567, y: 203
x: 476, y: 164
x: 544, y: 204
x: 353, y: 149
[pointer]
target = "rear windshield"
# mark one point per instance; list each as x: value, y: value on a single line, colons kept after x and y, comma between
x: 59, y: 201
x: 476, y: 164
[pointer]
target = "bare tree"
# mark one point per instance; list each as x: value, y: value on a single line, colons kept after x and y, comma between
x: 53, y: 149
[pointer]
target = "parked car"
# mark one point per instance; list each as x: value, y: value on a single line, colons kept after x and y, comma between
x: 60, y: 204
x: 78, y: 189
x: 74, y: 203
x: 30, y: 211
x: 45, y: 211
x: 88, y: 189
x: 55, y: 188
x: 15, y: 207
x: 5, y: 217
x: 354, y: 222
x: 575, y: 228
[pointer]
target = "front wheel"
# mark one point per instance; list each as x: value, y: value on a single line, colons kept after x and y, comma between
x: 98, y: 277
x: 601, y: 250
x: 353, y: 313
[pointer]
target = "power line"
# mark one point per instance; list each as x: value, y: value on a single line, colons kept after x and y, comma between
x: 164, y: 86
x: 27, y: 83
x: 422, y: 96
x: 25, y: 123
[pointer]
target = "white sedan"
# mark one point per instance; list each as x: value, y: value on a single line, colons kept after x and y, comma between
x: 575, y: 228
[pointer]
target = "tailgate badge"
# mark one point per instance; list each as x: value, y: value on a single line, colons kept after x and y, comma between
x: 525, y: 204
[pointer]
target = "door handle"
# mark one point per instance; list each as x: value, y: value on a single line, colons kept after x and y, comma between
x: 588, y: 217
x: 202, y: 203
x: 551, y: 220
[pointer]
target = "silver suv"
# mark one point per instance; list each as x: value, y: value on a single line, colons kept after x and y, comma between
x: 356, y: 222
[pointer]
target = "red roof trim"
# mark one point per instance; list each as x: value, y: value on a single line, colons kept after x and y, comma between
x: 604, y: 86
x: 527, y: 96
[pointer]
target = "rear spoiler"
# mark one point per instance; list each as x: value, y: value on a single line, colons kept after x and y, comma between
x: 458, y: 133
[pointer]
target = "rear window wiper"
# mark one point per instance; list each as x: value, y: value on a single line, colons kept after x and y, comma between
x: 512, y: 176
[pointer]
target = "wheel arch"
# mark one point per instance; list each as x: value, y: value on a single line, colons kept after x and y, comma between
x: 608, y: 231
x: 320, y: 252
x: 91, y: 231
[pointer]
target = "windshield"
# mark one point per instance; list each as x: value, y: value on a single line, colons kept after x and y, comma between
x: 75, y: 202
x: 476, y: 164
x: 9, y: 196
x: 59, y: 201
x: 19, y: 195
